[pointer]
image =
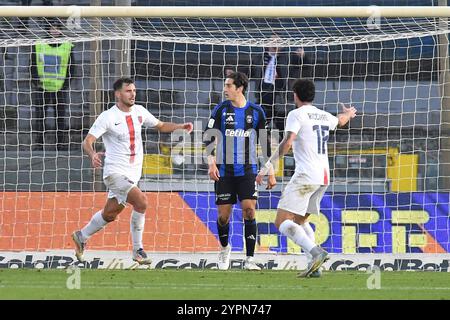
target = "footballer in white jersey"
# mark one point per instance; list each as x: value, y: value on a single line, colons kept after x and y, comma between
x: 121, y: 134
x: 311, y: 126
x: 120, y: 128
x: 307, y: 130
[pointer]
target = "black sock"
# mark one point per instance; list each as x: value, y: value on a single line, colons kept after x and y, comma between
x: 223, y: 233
x: 250, y: 236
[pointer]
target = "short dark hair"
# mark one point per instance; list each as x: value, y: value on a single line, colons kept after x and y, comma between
x: 305, y: 90
x: 240, y: 80
x: 119, y: 83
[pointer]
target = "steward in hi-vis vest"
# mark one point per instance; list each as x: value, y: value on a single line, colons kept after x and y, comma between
x: 51, y: 69
x: 52, y: 64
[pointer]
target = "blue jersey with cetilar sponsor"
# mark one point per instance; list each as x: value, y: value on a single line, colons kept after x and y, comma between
x: 239, y: 127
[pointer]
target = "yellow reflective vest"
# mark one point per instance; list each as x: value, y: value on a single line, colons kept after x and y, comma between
x: 52, y: 64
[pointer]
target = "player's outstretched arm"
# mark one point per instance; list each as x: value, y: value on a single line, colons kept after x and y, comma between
x: 167, y: 127
x: 96, y: 157
x: 347, y: 114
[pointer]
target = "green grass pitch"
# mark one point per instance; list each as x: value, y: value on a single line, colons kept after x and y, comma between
x: 214, y: 284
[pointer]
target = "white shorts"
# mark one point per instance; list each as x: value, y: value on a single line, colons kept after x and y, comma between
x: 301, y: 198
x: 118, y: 186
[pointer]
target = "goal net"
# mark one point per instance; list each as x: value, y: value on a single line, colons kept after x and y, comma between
x: 390, y: 182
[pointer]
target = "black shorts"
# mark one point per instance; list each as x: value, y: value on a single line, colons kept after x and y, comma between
x: 229, y: 188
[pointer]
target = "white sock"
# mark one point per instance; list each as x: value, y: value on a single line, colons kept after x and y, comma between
x: 310, y: 233
x: 296, y: 233
x: 137, y: 229
x: 97, y: 223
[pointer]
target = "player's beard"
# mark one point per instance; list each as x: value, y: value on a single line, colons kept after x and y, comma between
x: 128, y: 103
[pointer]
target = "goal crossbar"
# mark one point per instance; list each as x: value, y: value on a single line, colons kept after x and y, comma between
x: 225, y: 11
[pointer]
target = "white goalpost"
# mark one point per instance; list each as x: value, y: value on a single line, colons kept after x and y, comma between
x: 388, y: 201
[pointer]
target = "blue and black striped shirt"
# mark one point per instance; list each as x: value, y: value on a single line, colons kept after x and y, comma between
x: 236, y: 153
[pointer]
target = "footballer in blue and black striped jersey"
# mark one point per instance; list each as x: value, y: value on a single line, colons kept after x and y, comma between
x: 240, y: 127
x: 237, y: 126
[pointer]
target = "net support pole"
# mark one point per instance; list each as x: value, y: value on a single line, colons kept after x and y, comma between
x: 444, y: 85
x: 95, y: 95
x: 122, y: 55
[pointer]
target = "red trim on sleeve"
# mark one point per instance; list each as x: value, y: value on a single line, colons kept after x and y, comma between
x: 325, y: 177
x: 132, y: 138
